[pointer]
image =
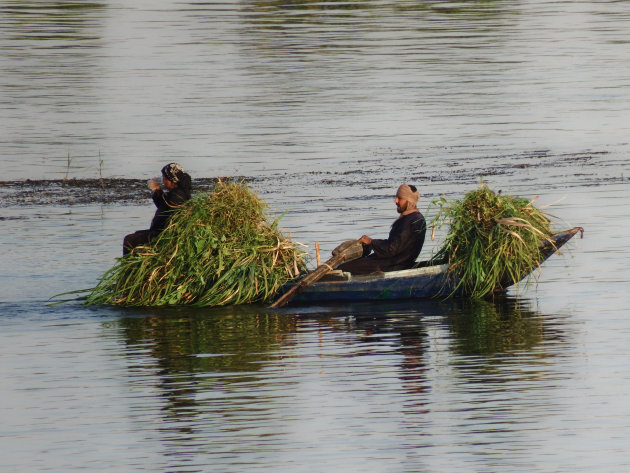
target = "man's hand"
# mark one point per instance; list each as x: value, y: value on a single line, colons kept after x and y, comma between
x: 365, y: 240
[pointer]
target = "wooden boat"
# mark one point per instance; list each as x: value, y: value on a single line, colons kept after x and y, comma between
x: 424, y: 281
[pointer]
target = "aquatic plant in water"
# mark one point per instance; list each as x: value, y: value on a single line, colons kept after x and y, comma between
x: 493, y: 240
x: 218, y: 249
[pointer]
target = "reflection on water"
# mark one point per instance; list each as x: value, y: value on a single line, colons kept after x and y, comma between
x: 185, y: 341
x: 49, y: 85
x: 406, y: 381
x: 251, y: 379
x: 251, y: 88
x: 484, y: 328
x: 197, y: 360
x: 242, y: 338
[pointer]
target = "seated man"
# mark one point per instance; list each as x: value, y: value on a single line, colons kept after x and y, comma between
x: 179, y: 186
x: 404, y: 243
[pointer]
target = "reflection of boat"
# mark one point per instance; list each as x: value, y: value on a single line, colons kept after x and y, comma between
x: 422, y: 282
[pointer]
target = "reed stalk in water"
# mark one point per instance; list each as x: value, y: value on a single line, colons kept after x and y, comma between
x: 218, y: 249
x: 493, y: 240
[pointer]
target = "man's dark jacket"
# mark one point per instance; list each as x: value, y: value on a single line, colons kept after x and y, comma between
x: 166, y: 203
x: 398, y: 251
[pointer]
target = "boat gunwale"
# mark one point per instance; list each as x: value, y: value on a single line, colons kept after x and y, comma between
x: 431, y: 270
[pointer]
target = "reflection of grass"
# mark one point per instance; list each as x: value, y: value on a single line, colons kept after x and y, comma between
x: 489, y: 327
x: 59, y: 6
x: 192, y: 340
x: 193, y: 355
x: 79, y: 6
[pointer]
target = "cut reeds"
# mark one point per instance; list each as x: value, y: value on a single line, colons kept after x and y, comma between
x: 219, y: 249
x: 493, y: 240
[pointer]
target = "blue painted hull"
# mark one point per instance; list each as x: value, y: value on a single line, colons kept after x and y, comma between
x: 420, y: 283
x: 408, y: 284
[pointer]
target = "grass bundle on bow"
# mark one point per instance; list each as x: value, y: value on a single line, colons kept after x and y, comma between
x: 219, y: 249
x: 493, y: 240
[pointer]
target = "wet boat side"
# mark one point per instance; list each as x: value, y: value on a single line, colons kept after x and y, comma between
x: 417, y: 283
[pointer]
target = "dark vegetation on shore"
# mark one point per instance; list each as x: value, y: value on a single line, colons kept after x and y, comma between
x: 112, y: 190
x: 84, y: 191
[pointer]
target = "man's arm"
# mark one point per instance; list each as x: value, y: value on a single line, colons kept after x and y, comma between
x: 402, y: 238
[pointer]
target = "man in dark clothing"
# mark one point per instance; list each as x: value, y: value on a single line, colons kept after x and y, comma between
x: 178, y: 185
x: 404, y: 243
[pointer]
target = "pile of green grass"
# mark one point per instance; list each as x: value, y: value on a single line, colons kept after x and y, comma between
x: 219, y: 249
x: 493, y: 240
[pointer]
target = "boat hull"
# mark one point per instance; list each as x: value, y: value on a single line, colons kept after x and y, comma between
x: 407, y: 284
x: 418, y: 283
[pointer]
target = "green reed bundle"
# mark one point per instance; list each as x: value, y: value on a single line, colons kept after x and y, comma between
x: 219, y: 249
x: 493, y: 240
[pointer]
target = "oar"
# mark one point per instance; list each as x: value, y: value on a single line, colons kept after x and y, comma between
x: 347, y: 251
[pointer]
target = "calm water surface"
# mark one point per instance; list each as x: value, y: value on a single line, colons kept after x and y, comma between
x: 330, y: 105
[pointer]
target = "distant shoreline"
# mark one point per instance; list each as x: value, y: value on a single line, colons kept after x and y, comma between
x: 31, y: 192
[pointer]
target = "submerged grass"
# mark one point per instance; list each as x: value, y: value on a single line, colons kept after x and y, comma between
x: 493, y: 240
x: 219, y: 249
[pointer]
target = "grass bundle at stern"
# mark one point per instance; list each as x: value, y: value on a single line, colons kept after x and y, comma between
x: 493, y: 241
x: 219, y: 249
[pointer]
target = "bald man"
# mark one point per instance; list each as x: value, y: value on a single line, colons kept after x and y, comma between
x: 402, y: 247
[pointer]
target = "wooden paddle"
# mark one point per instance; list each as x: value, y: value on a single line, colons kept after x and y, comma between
x: 347, y: 251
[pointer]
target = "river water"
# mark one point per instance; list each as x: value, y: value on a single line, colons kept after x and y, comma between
x: 325, y: 106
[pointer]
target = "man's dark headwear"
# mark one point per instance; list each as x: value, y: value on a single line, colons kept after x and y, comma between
x: 173, y: 172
